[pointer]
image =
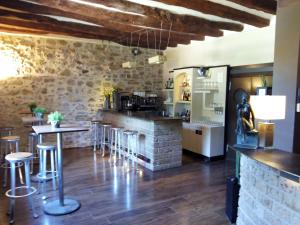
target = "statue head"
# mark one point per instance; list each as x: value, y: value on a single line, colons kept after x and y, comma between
x: 244, y: 99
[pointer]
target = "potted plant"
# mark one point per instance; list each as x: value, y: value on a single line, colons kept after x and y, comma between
x: 39, y: 112
x: 32, y: 106
x: 55, y: 119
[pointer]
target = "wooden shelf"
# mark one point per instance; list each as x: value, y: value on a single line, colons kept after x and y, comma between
x: 184, y: 102
x: 207, y: 90
x: 168, y: 89
x: 168, y: 103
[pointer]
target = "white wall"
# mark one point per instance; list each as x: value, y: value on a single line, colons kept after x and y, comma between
x: 251, y: 46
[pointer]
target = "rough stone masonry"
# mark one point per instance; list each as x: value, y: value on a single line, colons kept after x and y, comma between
x: 266, y: 198
x: 68, y: 75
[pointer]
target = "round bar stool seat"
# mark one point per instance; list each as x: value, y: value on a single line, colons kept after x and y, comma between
x: 46, y: 146
x: 9, y: 142
x: 44, y: 175
x: 18, y: 156
x: 10, y: 138
x: 13, y: 192
x: 105, y: 136
x: 96, y: 133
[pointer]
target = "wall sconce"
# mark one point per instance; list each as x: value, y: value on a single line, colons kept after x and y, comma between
x: 10, y: 64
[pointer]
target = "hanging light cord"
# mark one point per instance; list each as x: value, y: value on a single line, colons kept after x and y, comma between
x: 161, y: 24
x: 155, y: 40
x: 169, y: 34
x: 138, y: 44
x: 147, y: 40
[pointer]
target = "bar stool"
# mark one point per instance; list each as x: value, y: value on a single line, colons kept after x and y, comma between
x: 45, y: 174
x: 116, y: 134
x: 32, y: 143
x: 4, y: 131
x: 9, y: 142
x: 131, y: 138
x: 96, y: 133
x: 16, y: 192
x: 105, y: 136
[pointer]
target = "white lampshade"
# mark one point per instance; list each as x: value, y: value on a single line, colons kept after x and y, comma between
x: 268, y: 107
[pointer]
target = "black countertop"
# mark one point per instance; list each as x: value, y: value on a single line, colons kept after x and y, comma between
x: 145, y: 115
x: 287, y: 163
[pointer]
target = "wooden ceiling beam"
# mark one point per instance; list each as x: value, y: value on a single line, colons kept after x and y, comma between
x: 18, y: 30
x: 191, y: 23
x: 220, y: 10
x: 40, y: 9
x: 180, y: 23
x: 76, y: 27
x: 267, y: 6
x: 18, y: 25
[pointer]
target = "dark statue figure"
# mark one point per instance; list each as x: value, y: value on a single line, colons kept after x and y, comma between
x: 245, y: 118
x: 247, y: 135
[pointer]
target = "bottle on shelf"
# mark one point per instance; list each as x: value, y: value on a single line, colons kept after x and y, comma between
x: 167, y: 85
x: 171, y: 83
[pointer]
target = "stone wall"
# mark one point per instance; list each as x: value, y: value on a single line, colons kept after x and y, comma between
x: 67, y: 75
x: 266, y: 198
x: 159, y: 140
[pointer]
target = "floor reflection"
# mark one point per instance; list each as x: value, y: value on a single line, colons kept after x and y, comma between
x: 114, y: 192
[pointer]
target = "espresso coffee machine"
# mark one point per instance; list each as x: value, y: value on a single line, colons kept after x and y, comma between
x: 133, y: 102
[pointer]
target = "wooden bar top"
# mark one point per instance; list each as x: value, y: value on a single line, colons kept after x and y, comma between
x: 143, y: 115
x: 287, y: 163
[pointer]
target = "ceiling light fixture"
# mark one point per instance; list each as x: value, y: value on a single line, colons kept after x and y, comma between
x: 159, y: 58
x: 135, y: 51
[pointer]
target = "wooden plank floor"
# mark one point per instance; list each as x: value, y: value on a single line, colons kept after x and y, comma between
x: 193, y: 194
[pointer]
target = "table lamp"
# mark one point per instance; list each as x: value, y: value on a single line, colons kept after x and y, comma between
x: 267, y: 108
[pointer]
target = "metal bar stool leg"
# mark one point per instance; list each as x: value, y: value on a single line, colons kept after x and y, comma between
x: 40, y: 170
x: 44, y: 173
x: 112, y: 135
x: 28, y: 184
x: 5, y: 169
x: 95, y: 130
x: 13, y: 192
x: 19, y: 167
x: 103, y: 141
x: 53, y: 170
x: 31, y: 149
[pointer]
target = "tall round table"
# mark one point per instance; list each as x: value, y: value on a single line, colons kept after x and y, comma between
x: 60, y: 205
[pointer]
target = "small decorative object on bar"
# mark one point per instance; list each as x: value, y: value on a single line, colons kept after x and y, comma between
x: 39, y: 112
x: 55, y: 119
x: 246, y: 134
x: 32, y: 106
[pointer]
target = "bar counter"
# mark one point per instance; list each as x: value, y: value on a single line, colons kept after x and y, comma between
x: 288, y: 164
x: 160, y: 138
x: 269, y: 187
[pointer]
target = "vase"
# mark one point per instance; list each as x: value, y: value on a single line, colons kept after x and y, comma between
x: 39, y: 115
x: 107, y: 102
x: 116, y: 100
x: 55, y: 124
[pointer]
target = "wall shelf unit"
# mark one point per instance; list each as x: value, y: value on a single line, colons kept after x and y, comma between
x: 200, y: 98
